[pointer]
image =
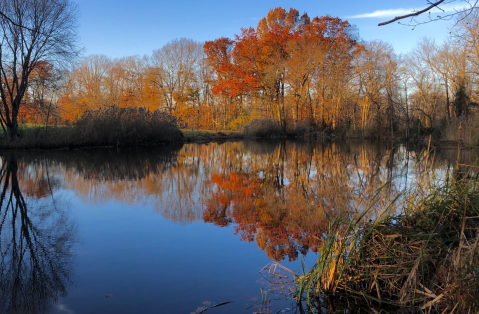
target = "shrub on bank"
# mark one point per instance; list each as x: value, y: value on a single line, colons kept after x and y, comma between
x: 104, y: 127
x: 267, y: 128
x: 126, y: 126
x: 300, y: 129
x: 262, y: 128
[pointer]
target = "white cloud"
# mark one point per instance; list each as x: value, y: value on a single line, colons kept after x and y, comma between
x: 382, y: 13
x: 447, y: 8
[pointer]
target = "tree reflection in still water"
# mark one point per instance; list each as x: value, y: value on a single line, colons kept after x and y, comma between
x: 285, y: 196
x: 36, y: 239
x: 280, y: 195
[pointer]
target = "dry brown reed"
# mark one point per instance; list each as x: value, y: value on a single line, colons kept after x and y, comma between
x: 127, y: 126
x: 423, y: 260
x: 104, y: 127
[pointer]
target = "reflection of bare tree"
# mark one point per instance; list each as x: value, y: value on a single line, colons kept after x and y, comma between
x: 116, y: 165
x: 35, y: 247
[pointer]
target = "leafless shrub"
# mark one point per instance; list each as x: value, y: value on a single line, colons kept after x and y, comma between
x: 126, y: 126
x: 262, y: 128
x: 299, y: 129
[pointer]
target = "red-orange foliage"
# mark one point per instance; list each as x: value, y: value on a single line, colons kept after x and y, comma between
x: 258, y: 61
x: 259, y: 214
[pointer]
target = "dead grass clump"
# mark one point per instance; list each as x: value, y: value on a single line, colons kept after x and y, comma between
x: 126, y: 126
x: 262, y: 128
x: 104, y: 127
x: 425, y: 259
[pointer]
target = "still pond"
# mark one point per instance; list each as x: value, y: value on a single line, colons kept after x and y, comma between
x: 179, y: 229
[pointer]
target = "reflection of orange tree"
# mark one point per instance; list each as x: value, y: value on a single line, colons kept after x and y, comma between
x: 36, y: 182
x: 281, y: 195
x: 231, y: 188
x: 277, y: 220
x: 285, y: 197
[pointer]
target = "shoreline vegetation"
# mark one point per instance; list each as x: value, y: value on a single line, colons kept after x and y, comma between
x: 123, y: 127
x: 418, y: 254
x: 424, y: 259
x: 111, y: 127
x: 290, y: 76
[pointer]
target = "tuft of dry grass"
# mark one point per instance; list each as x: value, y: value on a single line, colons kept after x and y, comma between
x: 425, y: 259
x: 105, y: 127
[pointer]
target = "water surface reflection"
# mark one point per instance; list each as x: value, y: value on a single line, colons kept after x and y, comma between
x: 280, y: 197
x: 36, y: 238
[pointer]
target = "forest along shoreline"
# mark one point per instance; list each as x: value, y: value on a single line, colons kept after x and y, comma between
x: 124, y: 127
x: 290, y: 75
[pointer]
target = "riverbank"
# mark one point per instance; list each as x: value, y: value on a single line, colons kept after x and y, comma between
x: 110, y: 127
x: 138, y: 133
x: 67, y: 137
x: 424, y: 259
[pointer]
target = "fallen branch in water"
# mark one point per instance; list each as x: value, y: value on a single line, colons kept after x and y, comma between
x: 216, y: 305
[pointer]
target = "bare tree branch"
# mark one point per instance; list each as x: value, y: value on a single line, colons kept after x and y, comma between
x: 465, y: 12
x: 434, y: 4
x: 34, y: 31
x: 10, y: 20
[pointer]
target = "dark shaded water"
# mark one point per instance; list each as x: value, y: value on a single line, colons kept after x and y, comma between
x: 174, y: 229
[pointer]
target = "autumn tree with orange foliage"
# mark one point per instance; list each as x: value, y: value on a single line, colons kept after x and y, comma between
x: 302, y: 74
x: 41, y: 98
x: 282, y: 57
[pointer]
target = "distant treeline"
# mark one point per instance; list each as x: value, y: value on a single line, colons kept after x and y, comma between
x: 291, y: 69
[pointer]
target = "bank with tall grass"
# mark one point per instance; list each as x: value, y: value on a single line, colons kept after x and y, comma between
x: 424, y: 259
x: 104, y: 127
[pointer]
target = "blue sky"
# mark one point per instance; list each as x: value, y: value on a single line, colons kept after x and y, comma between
x: 119, y: 28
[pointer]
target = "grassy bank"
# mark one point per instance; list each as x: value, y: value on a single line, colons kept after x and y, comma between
x: 106, y: 127
x: 422, y: 260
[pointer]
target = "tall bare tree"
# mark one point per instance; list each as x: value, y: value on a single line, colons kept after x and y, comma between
x: 173, y: 71
x: 34, y: 31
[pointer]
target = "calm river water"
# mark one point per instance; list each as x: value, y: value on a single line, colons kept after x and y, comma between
x: 179, y: 229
